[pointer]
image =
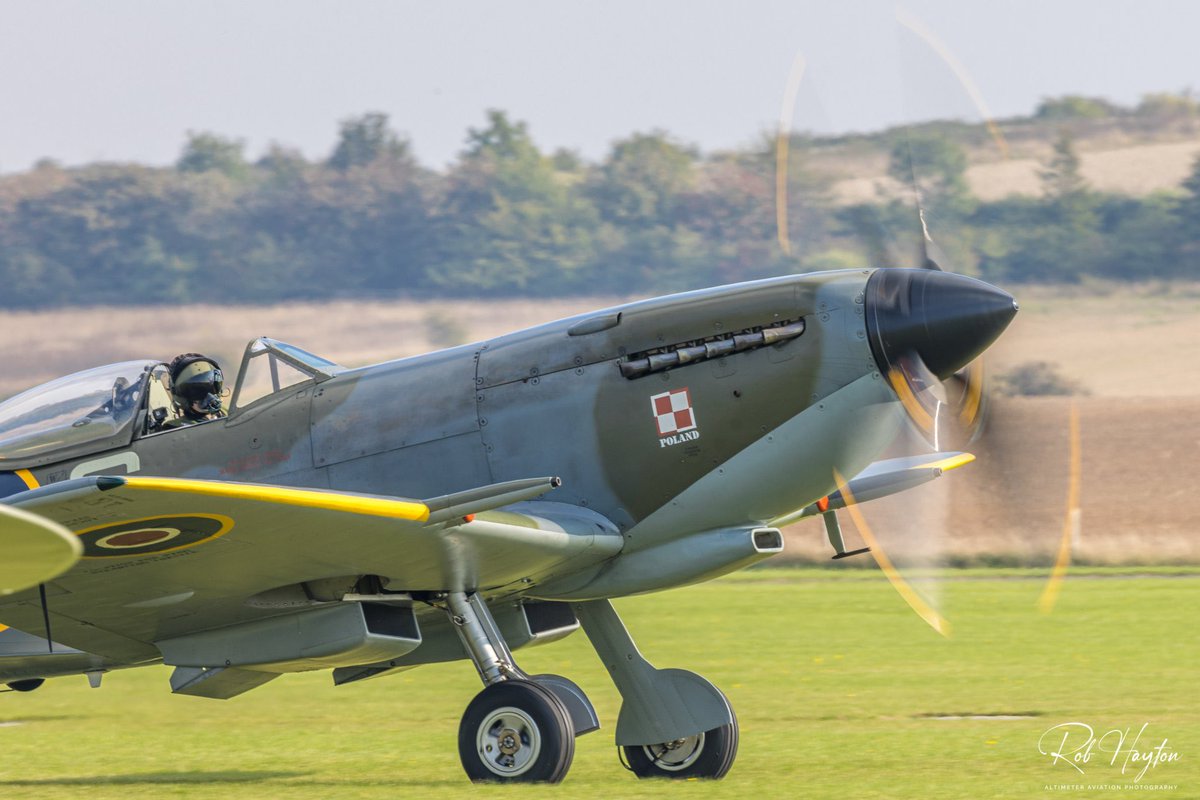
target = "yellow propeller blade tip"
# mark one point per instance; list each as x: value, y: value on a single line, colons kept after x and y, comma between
x: 1072, y: 521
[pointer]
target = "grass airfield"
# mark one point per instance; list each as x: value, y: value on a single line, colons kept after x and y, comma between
x: 837, y: 686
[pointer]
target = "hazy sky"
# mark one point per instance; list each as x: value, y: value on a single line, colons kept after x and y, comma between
x: 82, y: 80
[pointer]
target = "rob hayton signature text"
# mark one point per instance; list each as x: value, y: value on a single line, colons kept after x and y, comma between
x: 1077, y: 745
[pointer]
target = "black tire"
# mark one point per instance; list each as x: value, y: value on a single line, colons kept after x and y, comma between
x: 27, y: 685
x: 707, y: 755
x: 516, y: 732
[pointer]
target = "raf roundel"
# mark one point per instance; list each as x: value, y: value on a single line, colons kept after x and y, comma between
x: 137, y: 538
x: 673, y: 412
x: 152, y: 535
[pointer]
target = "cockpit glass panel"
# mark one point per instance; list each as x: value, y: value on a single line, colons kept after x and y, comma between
x: 89, y: 406
x: 265, y: 374
x: 318, y: 364
x: 270, y: 366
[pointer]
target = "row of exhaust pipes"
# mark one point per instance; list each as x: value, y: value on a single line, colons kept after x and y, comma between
x: 640, y: 364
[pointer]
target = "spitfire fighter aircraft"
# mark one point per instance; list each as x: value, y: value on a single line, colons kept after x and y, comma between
x: 468, y: 502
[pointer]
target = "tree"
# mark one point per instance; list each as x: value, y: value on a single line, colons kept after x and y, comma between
x: 1189, y: 206
x: 645, y: 193
x: 281, y: 163
x: 325, y: 230
x: 1061, y: 177
x: 1074, y: 106
x: 1165, y: 106
x: 731, y: 204
x: 1142, y: 238
x: 566, y: 160
x: 208, y: 152
x: 365, y: 140
x: 1187, y: 214
x: 508, y: 221
x: 501, y: 138
x: 116, y: 234
x: 643, y: 180
x: 1075, y: 242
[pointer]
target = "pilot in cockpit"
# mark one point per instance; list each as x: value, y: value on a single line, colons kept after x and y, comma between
x: 196, y: 388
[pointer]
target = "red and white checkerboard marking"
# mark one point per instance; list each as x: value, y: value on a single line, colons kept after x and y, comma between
x: 673, y: 412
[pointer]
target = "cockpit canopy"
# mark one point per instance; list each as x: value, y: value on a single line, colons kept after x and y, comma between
x: 82, y: 413
x: 269, y: 366
x: 103, y: 408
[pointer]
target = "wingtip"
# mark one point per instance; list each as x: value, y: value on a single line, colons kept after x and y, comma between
x: 37, y: 549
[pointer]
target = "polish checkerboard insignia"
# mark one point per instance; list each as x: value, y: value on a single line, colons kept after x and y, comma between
x: 674, y: 416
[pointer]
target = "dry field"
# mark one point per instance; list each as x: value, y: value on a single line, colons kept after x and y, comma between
x: 1137, y: 169
x: 1130, y: 348
x: 1138, y: 503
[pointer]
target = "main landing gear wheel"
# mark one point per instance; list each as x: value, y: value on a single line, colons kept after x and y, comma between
x: 516, y: 732
x: 705, y: 755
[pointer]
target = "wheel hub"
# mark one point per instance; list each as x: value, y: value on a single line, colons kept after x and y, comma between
x: 508, y: 741
x: 676, y: 755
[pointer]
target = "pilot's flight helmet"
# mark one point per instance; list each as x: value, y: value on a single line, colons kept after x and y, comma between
x: 197, y: 379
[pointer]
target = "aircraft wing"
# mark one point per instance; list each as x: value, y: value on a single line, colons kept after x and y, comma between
x: 880, y: 479
x: 164, y: 557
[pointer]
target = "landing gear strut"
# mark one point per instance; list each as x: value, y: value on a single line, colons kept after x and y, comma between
x: 673, y: 723
x: 522, y: 728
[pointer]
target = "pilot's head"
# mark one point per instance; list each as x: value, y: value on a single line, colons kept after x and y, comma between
x: 196, y: 385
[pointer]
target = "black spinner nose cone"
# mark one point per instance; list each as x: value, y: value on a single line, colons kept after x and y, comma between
x: 946, y: 319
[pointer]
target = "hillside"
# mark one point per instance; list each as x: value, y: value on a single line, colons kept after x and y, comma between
x: 1131, y: 151
x: 1081, y: 189
x: 1131, y: 168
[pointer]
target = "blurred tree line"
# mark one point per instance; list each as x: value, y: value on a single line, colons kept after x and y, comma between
x: 654, y: 216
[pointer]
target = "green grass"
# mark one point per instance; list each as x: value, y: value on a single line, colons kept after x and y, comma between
x: 834, y: 680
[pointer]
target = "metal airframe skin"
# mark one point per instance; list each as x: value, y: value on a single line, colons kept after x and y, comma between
x: 775, y: 387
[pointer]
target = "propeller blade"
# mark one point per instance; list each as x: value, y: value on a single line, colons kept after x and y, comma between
x: 968, y: 396
x: 782, y: 159
x: 1070, y: 522
x: 924, y: 610
x: 949, y: 414
x: 921, y: 394
x: 927, y: 244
